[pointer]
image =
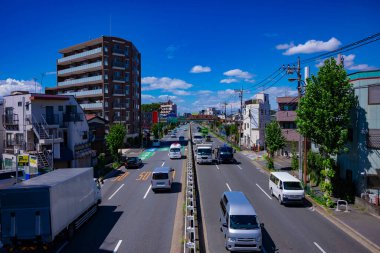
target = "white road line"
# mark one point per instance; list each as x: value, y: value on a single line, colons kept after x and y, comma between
x: 163, y: 164
x: 319, y: 247
x: 240, y: 167
x: 264, y: 191
x: 217, y: 167
x: 118, y: 189
x: 228, y: 187
x: 146, y: 194
x: 117, y: 246
x: 61, y: 248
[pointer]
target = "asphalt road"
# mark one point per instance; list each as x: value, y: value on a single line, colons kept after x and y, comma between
x: 286, y: 228
x: 131, y: 217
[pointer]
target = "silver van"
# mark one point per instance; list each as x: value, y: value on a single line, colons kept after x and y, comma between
x: 239, y: 223
x: 162, y: 178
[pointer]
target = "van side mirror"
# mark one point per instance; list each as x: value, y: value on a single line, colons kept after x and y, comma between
x: 224, y: 225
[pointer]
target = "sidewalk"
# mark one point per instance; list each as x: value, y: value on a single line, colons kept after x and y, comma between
x: 360, y: 225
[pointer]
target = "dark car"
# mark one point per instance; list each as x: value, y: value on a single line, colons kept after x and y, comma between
x: 133, y: 162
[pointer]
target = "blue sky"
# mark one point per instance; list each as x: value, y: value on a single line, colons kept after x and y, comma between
x: 231, y: 44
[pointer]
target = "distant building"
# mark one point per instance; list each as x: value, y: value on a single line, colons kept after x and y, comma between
x: 148, y: 119
x: 256, y: 115
x: 51, y: 127
x: 286, y: 117
x: 211, y: 111
x: 2, y: 129
x: 361, y: 165
x: 104, y: 75
x: 168, y: 108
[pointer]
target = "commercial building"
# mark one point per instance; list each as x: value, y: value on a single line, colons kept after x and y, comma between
x: 50, y: 127
x: 286, y: 117
x: 104, y: 75
x: 168, y: 108
x: 256, y: 115
x: 361, y: 165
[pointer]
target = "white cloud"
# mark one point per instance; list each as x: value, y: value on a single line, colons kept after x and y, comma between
x: 225, y: 93
x: 163, y: 83
x: 350, y: 64
x: 249, y: 80
x: 310, y: 46
x: 285, y: 46
x: 181, y: 92
x: 175, y: 99
x: 238, y: 73
x: 229, y: 80
x: 10, y: 84
x: 204, y: 92
x: 200, y: 69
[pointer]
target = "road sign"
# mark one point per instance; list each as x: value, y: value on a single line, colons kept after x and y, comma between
x: 33, y: 165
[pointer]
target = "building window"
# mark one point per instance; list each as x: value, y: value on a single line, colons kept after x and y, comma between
x: 126, y: 51
x: 116, y: 74
x: 106, y: 104
x: 105, y: 61
x: 105, y: 49
x: 105, y: 88
x: 126, y: 76
x: 374, y: 94
x: 127, y: 63
x: 60, y: 108
x: 127, y: 116
x: 105, y: 76
x: 19, y: 104
x: 127, y: 103
x: 27, y: 106
x: 126, y: 90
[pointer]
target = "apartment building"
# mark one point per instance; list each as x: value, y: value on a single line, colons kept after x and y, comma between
x: 168, y: 108
x: 51, y: 127
x: 286, y: 117
x: 256, y: 115
x: 361, y: 165
x: 2, y: 129
x: 104, y: 75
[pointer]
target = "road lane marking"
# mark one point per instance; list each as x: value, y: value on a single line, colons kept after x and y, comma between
x: 240, y: 167
x: 117, y: 246
x: 121, y: 177
x: 228, y: 187
x: 319, y: 247
x: 146, y: 194
x: 143, y: 176
x: 163, y: 164
x: 264, y: 191
x: 118, y: 189
x: 217, y: 167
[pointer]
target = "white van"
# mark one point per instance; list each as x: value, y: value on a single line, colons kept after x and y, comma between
x: 175, y: 151
x: 197, y: 138
x: 162, y: 178
x: 286, y: 188
x: 239, y: 223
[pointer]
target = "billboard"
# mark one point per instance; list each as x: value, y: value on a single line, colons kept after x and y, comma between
x: 22, y: 160
x: 155, y: 117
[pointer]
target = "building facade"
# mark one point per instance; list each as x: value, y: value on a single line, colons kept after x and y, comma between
x: 361, y: 165
x: 286, y: 117
x: 104, y: 75
x: 2, y: 130
x: 256, y: 115
x: 51, y: 127
x: 168, y: 108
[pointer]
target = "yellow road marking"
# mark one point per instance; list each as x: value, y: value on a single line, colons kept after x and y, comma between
x: 121, y: 176
x: 144, y: 176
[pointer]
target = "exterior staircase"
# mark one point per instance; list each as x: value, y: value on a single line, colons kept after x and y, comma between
x: 43, y: 159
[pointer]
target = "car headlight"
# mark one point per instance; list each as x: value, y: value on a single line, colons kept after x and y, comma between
x: 231, y: 239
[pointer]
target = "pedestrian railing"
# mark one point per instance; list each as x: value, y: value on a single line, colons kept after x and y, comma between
x: 343, y: 203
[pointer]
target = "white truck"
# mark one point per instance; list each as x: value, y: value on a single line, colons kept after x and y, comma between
x: 40, y: 209
x: 203, y: 153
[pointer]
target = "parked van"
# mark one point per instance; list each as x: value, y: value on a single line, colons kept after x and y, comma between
x: 286, y: 188
x: 239, y: 223
x: 162, y: 178
x: 175, y: 151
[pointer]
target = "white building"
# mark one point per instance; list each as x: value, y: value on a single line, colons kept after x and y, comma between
x: 256, y: 115
x: 168, y: 108
x: 46, y: 126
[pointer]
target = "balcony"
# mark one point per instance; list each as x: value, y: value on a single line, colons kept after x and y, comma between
x: 91, y: 79
x: 118, y: 65
x: 118, y: 51
x: 118, y: 79
x: 81, y: 69
x: 289, y: 116
x: 10, y: 122
x: 92, y: 106
x: 85, y: 55
x: 85, y: 93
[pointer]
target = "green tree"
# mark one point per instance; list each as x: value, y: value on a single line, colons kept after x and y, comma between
x: 314, y: 166
x: 227, y: 128
x: 156, y: 130
x: 273, y: 138
x: 324, y: 115
x: 115, y: 139
x: 150, y: 107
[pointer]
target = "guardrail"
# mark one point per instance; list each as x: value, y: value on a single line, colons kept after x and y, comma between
x: 190, y: 202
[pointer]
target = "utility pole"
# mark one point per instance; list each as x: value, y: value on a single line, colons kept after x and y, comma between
x: 225, y: 110
x: 241, y: 112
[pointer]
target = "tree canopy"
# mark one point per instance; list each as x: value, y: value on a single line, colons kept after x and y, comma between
x: 273, y: 138
x: 150, y: 107
x: 115, y: 139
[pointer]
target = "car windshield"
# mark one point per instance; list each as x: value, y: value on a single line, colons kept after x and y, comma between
x: 204, y: 151
x: 292, y: 186
x: 160, y: 176
x: 243, y: 222
x: 174, y: 150
x: 132, y: 159
x: 197, y: 137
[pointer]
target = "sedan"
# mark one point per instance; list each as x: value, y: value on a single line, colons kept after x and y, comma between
x: 173, y: 136
x: 133, y: 162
